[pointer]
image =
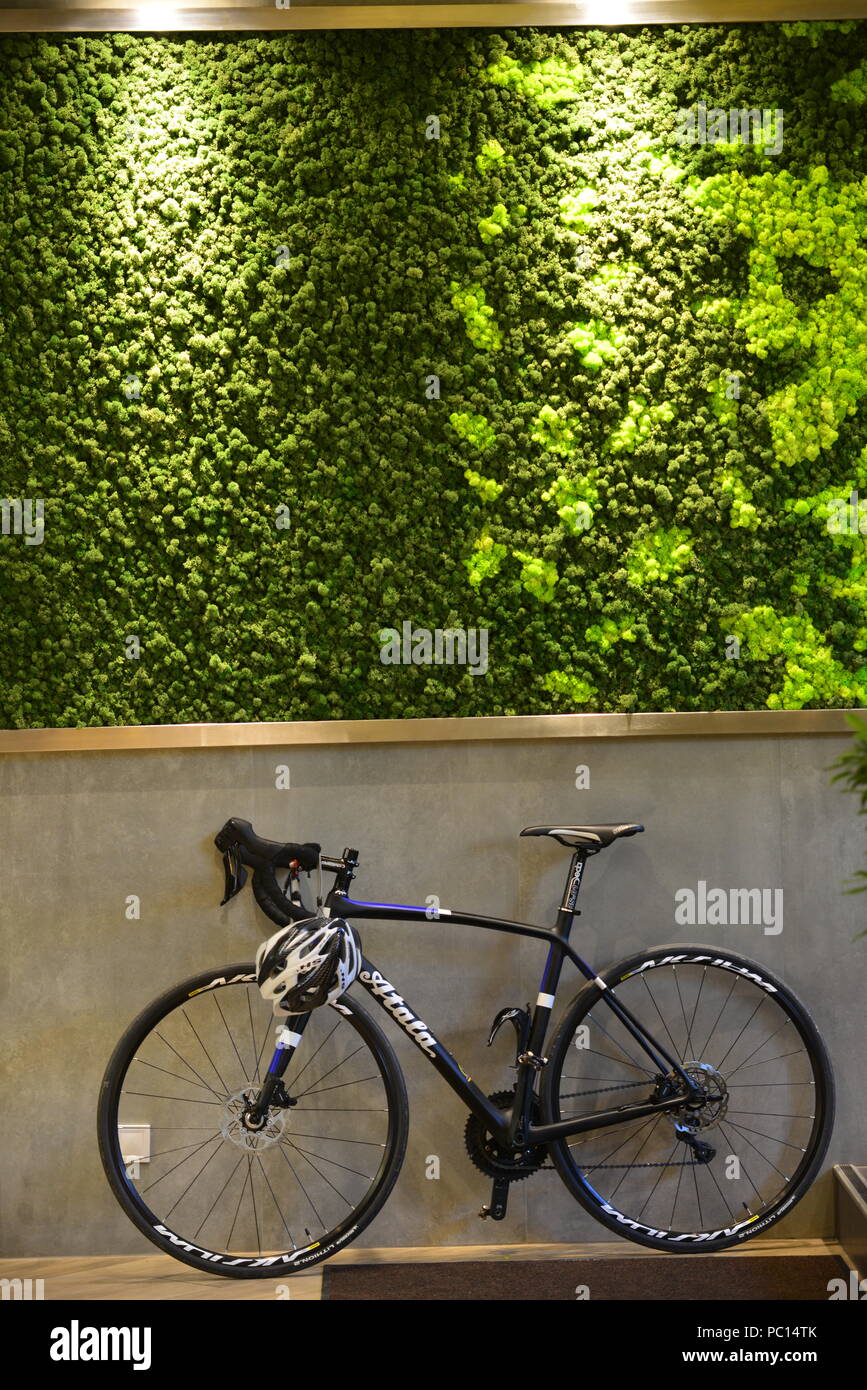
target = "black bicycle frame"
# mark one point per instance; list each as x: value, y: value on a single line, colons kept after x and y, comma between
x: 512, y: 1128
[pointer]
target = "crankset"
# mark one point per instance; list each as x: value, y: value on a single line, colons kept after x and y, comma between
x: 502, y: 1164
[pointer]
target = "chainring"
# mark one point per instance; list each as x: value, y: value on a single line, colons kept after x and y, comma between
x: 493, y: 1160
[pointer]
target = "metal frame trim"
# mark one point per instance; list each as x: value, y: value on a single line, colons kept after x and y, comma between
x: 93, y: 16
x: 493, y: 728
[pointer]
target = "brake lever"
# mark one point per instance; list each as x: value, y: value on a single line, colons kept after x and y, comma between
x: 236, y: 874
x: 292, y: 889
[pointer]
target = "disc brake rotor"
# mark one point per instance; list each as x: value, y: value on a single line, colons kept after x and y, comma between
x: 715, y: 1098
x: 233, y: 1128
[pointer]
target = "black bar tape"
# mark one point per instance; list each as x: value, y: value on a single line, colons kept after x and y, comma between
x: 272, y: 900
x: 256, y: 852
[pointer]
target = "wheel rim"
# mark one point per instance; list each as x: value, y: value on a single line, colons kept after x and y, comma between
x: 762, y: 1109
x: 215, y: 1192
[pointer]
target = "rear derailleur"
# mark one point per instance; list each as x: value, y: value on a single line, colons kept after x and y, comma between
x: 702, y: 1152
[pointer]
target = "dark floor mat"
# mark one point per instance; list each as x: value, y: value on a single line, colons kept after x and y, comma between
x: 795, y: 1278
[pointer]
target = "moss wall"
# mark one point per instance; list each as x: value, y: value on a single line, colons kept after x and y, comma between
x: 231, y: 270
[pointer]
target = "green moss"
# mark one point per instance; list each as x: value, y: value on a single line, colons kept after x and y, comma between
x: 479, y: 321
x: 607, y: 633
x: 659, y: 554
x: 487, y: 488
x: 852, y: 88
x: 723, y: 403
x: 823, y: 224
x: 538, y: 576
x: 546, y: 81
x: 555, y: 434
x: 486, y: 560
x: 578, y: 209
x: 718, y: 310
x: 475, y: 429
x: 638, y: 424
x: 269, y: 373
x: 496, y: 224
x: 613, y: 273
x: 573, y: 689
x: 742, y: 512
x: 805, y: 660
x: 492, y: 155
x: 658, y: 163
x: 595, y: 343
x: 816, y: 29
x: 574, y: 498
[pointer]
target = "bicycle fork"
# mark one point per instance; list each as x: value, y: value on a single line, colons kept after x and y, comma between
x: 272, y: 1090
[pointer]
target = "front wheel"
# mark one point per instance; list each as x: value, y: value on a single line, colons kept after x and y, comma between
x: 204, y: 1187
x: 765, y: 1116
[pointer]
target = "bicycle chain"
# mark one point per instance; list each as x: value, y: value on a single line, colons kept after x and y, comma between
x: 621, y: 1086
x: 625, y: 1086
x: 686, y: 1163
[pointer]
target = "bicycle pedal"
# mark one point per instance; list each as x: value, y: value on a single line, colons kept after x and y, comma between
x: 499, y: 1201
x: 495, y: 1213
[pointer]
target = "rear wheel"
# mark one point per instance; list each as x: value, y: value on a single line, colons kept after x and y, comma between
x: 766, y: 1113
x: 213, y: 1193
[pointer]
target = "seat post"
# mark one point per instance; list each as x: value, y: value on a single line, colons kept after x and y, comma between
x: 567, y: 910
x: 548, y: 989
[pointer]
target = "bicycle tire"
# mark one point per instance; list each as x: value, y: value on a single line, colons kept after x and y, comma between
x: 570, y: 1171
x: 272, y: 1264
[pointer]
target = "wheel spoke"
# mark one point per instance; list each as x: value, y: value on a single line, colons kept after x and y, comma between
x: 276, y: 1203
x: 177, y: 1076
x: 207, y: 1054
x: 311, y: 1089
x: 195, y: 1178
x: 196, y: 1074
x: 702, y: 1051
x: 229, y: 1034
x: 721, y: 1063
x: 674, y: 1046
x: 301, y: 1184
x: 219, y: 1195
x: 636, y: 1066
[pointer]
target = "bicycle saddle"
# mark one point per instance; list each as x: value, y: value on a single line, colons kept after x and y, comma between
x: 589, y: 837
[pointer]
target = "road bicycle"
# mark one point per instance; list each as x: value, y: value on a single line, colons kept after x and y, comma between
x: 686, y: 1099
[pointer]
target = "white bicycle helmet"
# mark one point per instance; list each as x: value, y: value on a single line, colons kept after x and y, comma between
x: 307, y: 964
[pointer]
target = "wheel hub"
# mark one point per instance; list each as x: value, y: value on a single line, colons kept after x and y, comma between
x: 238, y: 1127
x: 710, y: 1108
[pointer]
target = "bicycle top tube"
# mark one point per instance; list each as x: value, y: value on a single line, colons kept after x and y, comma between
x: 351, y: 908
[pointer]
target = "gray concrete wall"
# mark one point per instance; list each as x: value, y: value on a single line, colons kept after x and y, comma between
x: 82, y: 831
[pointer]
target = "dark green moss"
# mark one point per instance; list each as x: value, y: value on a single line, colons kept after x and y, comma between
x: 228, y: 271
